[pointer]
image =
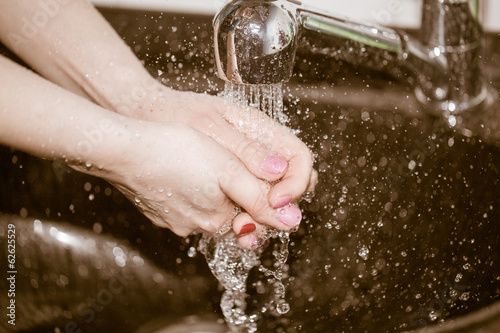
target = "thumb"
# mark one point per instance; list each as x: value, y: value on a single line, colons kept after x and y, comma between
x: 251, y: 194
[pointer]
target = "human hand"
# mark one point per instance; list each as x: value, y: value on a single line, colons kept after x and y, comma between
x: 222, y: 122
x: 277, y: 156
x: 96, y: 52
x: 183, y: 180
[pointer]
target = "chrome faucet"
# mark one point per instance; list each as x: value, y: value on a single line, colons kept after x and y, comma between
x: 256, y: 41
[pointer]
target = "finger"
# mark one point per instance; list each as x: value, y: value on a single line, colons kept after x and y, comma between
x: 251, y: 194
x: 300, y: 160
x: 259, y: 159
x: 300, y: 172
x: 300, y: 177
x: 246, y: 230
x: 250, y: 234
x: 248, y: 241
x: 313, y: 181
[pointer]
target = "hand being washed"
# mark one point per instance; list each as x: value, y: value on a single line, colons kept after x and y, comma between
x: 179, y: 177
x: 222, y: 122
x: 183, y: 180
x: 277, y: 155
x: 92, y: 61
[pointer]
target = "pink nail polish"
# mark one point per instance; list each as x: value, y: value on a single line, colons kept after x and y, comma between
x: 255, y: 245
x: 283, y: 201
x: 275, y: 165
x: 289, y: 215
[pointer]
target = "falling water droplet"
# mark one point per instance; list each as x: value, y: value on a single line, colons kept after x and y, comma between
x: 363, y: 252
x: 282, y: 307
x: 465, y: 296
x: 433, y: 315
x: 191, y: 252
x: 452, y: 121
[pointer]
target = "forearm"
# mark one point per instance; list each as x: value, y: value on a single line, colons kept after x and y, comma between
x: 47, y: 121
x: 71, y: 44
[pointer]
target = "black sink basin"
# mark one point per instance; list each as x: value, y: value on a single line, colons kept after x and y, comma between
x: 403, y: 232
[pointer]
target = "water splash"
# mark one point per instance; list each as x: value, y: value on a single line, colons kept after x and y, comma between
x: 278, y: 304
x: 254, y: 100
x: 230, y: 263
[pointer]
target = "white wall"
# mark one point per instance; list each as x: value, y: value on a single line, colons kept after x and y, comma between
x: 402, y: 13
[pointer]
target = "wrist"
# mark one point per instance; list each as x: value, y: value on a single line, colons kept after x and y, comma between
x: 99, y: 146
x: 139, y: 98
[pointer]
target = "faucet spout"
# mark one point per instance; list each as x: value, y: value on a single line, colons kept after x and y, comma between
x: 256, y: 41
x: 379, y: 48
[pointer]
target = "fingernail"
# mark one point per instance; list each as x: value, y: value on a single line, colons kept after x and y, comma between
x: 255, y: 245
x: 247, y: 228
x: 275, y: 165
x: 289, y: 215
x: 283, y: 201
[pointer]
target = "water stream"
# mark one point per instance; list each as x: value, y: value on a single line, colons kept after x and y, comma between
x: 230, y: 263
